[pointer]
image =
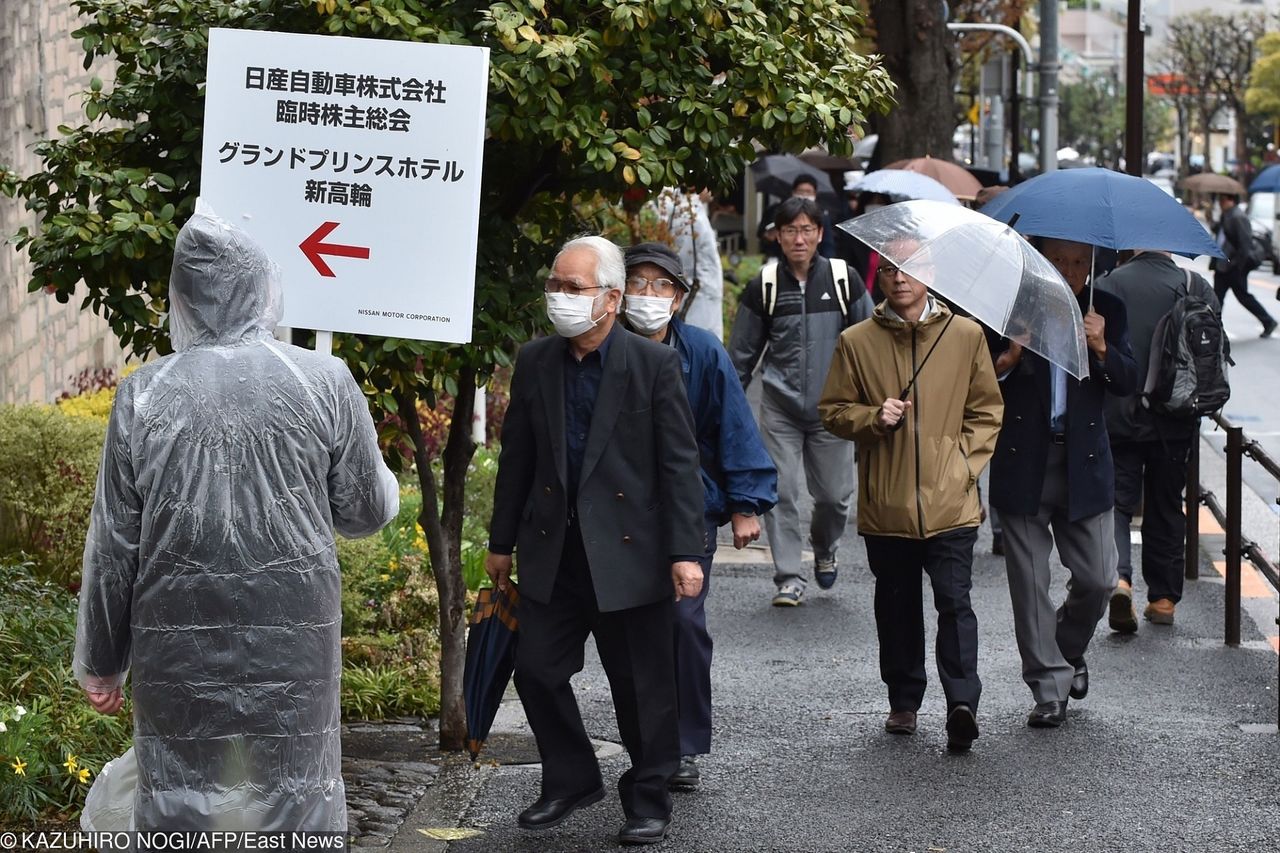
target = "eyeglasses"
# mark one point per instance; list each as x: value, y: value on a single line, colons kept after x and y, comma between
x: 560, y: 285
x: 887, y: 270
x: 637, y: 285
x: 796, y: 231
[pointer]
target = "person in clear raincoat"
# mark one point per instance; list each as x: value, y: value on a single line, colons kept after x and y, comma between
x: 210, y: 575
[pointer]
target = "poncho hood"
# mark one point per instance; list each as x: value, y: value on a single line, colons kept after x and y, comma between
x: 223, y: 289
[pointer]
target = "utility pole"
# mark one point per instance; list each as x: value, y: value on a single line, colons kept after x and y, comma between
x: 1134, y: 80
x: 1048, y: 85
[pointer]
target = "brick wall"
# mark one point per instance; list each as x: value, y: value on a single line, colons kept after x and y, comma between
x: 42, y: 343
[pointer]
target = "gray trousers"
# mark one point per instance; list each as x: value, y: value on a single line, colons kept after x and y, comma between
x: 1048, y: 639
x: 828, y: 470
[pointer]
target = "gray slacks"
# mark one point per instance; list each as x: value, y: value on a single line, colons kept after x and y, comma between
x: 1047, y: 638
x: 828, y: 470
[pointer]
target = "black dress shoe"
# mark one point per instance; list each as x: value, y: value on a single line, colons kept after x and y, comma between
x: 962, y: 728
x: 545, y: 813
x: 1079, y: 681
x: 643, y: 830
x: 1048, y: 715
x: 686, y: 778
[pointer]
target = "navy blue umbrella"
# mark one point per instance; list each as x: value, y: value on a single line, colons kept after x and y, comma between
x: 491, y: 658
x: 1103, y: 208
x: 1268, y: 180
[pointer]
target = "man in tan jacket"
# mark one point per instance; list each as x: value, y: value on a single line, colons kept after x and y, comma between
x: 918, y: 466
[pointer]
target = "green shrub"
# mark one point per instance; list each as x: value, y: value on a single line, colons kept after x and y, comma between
x: 48, y: 470
x: 378, y: 692
x: 52, y: 743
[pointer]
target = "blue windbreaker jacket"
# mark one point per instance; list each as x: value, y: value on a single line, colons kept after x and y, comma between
x: 737, y: 473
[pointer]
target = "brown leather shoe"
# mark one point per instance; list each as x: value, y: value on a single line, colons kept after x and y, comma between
x: 1160, y: 612
x: 1121, y: 615
x: 901, y: 723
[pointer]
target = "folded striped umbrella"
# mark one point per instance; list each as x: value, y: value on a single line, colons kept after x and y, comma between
x: 491, y: 658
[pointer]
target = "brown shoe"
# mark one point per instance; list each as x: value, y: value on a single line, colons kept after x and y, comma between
x: 901, y: 723
x: 1122, y: 617
x: 1160, y: 612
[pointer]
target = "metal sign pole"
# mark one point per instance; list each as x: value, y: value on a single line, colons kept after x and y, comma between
x: 324, y: 342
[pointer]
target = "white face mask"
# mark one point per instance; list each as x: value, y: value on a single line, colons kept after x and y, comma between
x: 571, y: 314
x: 872, y: 206
x: 648, y: 314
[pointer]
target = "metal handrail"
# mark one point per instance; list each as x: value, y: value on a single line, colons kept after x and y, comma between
x: 1230, y: 519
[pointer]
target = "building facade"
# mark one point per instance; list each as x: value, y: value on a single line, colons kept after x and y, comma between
x: 44, y: 344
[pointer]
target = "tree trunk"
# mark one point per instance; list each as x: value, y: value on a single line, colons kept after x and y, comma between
x: 919, y: 53
x: 442, y: 526
x: 1244, y: 164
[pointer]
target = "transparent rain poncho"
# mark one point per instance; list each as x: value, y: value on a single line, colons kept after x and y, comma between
x: 210, y: 575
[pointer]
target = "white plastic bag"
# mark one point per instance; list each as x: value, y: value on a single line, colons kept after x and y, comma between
x: 108, y: 807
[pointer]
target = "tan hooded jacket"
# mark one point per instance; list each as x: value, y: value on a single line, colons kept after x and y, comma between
x: 921, y: 480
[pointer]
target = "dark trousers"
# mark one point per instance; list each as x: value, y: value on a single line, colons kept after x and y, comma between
x: 899, y: 605
x: 1238, y: 283
x: 1153, y: 474
x: 693, y: 661
x: 635, y: 649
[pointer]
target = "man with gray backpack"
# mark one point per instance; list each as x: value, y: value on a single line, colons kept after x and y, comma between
x: 1181, y: 350
x: 796, y: 308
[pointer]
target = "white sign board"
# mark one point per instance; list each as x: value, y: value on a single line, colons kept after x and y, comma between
x: 356, y: 164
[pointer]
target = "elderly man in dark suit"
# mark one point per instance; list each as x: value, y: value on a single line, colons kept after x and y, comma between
x: 600, y: 497
x: 1053, y: 482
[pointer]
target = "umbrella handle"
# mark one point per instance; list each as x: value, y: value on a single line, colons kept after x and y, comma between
x: 903, y: 397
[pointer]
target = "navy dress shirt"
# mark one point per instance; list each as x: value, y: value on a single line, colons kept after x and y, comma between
x: 581, y: 388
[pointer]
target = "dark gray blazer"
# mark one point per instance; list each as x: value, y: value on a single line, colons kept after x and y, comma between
x: 1149, y: 285
x: 639, y: 497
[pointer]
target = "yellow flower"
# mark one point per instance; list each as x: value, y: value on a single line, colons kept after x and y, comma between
x: 83, y: 775
x: 70, y: 764
x: 384, y: 577
x: 19, y: 767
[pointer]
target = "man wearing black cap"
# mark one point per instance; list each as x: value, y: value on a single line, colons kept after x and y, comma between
x: 739, y: 480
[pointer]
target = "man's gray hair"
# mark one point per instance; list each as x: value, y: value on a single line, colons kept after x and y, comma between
x: 611, y: 265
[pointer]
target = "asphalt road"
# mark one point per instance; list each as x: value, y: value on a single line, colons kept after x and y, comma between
x: 1175, y: 748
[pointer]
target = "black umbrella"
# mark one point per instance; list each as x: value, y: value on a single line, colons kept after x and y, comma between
x: 775, y: 173
x: 491, y: 658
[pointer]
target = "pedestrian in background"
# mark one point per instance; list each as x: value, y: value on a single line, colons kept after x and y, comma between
x: 1150, y: 450
x: 797, y: 308
x: 918, y: 465
x: 1235, y: 236
x: 599, y: 496
x: 739, y: 481
x: 1053, y: 483
x: 804, y: 186
x: 210, y: 579
x: 696, y: 243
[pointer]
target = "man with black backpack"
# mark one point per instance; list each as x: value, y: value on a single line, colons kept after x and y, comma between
x: 1151, y: 433
x: 1235, y: 236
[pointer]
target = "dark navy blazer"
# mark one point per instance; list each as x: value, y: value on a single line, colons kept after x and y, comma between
x: 1017, y: 469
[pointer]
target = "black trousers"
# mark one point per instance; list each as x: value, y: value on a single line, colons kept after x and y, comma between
x: 899, y: 606
x: 635, y: 649
x: 693, y: 660
x: 1238, y: 283
x: 1153, y: 474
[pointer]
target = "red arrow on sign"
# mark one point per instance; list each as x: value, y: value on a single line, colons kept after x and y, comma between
x: 314, y: 246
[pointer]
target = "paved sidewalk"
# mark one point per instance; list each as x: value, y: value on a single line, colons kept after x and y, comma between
x: 1175, y: 748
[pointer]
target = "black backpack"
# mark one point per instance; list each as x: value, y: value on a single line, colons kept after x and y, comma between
x: 1257, y: 252
x: 1187, y: 374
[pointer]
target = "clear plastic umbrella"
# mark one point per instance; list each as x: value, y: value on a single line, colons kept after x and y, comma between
x: 986, y: 268
x: 901, y: 185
